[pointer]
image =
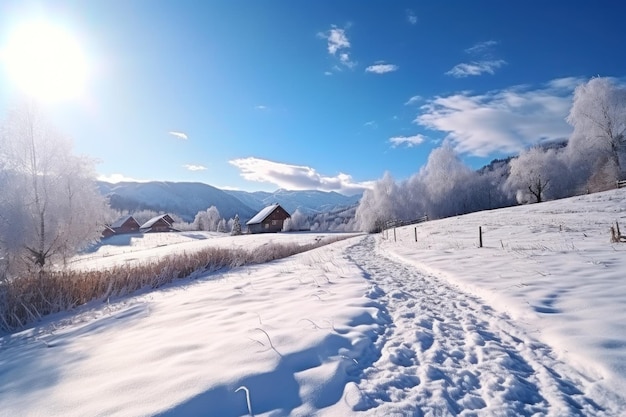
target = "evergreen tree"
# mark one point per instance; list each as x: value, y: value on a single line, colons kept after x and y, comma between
x: 236, y: 226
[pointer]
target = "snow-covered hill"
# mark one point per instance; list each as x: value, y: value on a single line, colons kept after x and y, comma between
x: 182, y: 198
x: 186, y: 199
x: 419, y: 321
x: 308, y: 202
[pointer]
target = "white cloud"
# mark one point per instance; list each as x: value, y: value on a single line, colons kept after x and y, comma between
x: 338, y: 46
x: 337, y: 40
x: 413, y: 100
x: 475, y: 68
x: 409, y: 141
x: 195, y: 167
x: 411, y: 17
x: 296, y: 177
x: 381, y: 68
x: 115, y: 178
x: 481, y: 48
x: 371, y: 124
x: 484, y: 61
x: 567, y: 83
x: 179, y: 135
x: 261, y: 107
x: 502, y: 121
x: 344, y: 58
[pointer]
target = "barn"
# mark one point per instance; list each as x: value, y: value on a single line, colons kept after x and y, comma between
x: 107, y: 232
x: 126, y: 224
x: 162, y: 223
x: 268, y: 220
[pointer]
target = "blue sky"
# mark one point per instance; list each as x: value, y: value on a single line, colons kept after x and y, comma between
x: 259, y: 95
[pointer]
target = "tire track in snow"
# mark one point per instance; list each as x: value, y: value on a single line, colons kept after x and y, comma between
x: 445, y: 353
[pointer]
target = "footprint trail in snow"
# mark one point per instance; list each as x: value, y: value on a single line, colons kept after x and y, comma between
x: 442, y: 352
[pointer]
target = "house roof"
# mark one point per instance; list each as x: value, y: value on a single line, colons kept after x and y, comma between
x: 262, y: 215
x: 120, y: 222
x: 153, y: 220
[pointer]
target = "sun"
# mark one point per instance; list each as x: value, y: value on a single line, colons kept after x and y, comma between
x: 45, y: 61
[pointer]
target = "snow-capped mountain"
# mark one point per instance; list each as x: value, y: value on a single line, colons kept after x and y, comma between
x: 182, y: 198
x: 309, y: 202
x: 188, y: 198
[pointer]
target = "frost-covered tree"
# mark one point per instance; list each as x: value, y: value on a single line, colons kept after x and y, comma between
x: 539, y: 174
x: 488, y: 187
x: 236, y: 229
x: 221, y: 226
x: 200, y: 222
x: 377, y: 206
x: 297, y: 221
x: 207, y: 220
x: 529, y: 178
x: 50, y: 205
x: 447, y: 180
x: 444, y: 187
x: 213, y: 218
x: 598, y: 115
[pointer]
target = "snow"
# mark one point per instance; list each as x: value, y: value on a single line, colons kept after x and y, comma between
x: 152, y: 221
x: 120, y: 222
x: 533, y: 323
x: 262, y: 215
x: 146, y: 247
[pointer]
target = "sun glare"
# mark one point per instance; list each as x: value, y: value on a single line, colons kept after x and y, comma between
x: 45, y: 61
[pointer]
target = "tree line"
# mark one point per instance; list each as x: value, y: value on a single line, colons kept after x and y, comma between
x: 591, y: 160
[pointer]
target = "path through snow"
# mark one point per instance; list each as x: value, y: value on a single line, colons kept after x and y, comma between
x: 443, y: 352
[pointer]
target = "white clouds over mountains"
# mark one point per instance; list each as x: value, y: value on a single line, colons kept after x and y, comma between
x: 501, y: 121
x: 296, y: 177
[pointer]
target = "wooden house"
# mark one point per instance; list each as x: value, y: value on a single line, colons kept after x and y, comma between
x: 268, y: 220
x: 107, y: 232
x: 126, y: 224
x: 162, y: 223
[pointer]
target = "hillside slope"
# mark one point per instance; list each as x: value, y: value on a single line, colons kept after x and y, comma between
x: 182, y: 198
x: 308, y: 202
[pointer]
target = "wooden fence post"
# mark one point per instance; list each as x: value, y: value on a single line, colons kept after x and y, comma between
x: 394, y: 234
x: 416, y: 233
x: 480, y: 236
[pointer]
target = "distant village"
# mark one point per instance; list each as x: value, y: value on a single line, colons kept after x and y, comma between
x: 270, y: 219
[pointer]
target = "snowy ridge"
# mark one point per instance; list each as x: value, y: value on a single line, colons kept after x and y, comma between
x: 307, y: 201
x: 182, y: 198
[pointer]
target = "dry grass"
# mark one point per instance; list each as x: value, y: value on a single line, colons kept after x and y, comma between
x: 31, y: 296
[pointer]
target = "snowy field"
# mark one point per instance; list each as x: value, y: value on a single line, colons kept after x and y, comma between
x: 147, y: 247
x: 531, y: 324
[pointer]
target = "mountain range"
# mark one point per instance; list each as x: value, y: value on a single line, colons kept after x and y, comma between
x: 186, y: 199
